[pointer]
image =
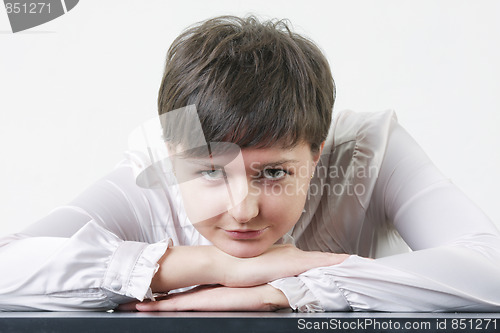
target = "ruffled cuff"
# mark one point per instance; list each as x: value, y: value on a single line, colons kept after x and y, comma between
x: 131, y: 269
x: 298, y: 295
x: 316, y: 293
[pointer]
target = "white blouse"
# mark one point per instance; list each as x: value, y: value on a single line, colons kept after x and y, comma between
x: 374, y: 187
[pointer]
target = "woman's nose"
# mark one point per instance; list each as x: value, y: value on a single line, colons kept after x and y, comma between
x: 247, y: 209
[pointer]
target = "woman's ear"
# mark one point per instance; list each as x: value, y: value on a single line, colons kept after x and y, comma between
x: 317, y: 154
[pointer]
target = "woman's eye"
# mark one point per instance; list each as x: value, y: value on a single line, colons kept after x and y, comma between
x: 212, y: 174
x: 274, y: 174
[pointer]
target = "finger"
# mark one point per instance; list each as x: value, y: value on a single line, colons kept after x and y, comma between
x: 170, y: 302
x: 163, y: 305
x: 201, y: 298
x: 212, y: 299
x: 127, y: 306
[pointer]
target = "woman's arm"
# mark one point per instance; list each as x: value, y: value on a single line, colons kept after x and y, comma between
x: 104, y: 248
x: 454, y: 265
x: 184, y: 266
x: 86, y: 255
x: 216, y: 298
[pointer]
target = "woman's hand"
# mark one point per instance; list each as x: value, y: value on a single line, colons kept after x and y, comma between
x: 184, y: 266
x: 227, y: 283
x: 216, y: 298
x: 277, y: 262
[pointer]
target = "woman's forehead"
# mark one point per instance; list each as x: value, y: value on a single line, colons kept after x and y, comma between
x: 257, y: 157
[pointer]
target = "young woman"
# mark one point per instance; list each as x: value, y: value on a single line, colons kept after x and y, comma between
x: 252, y: 193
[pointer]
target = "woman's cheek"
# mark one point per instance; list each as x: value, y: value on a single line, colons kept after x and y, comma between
x: 203, y: 203
x: 283, y: 210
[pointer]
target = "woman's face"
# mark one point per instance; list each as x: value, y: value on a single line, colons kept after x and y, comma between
x: 245, y: 203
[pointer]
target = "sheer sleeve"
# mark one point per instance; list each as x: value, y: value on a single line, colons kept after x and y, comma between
x: 454, y: 262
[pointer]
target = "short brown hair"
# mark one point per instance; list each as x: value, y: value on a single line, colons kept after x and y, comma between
x: 255, y: 84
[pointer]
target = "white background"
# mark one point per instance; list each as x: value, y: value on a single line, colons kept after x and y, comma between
x: 71, y: 90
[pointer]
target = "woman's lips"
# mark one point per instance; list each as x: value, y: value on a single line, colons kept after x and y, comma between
x: 244, y: 234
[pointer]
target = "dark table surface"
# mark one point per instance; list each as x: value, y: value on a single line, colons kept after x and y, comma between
x: 242, y: 322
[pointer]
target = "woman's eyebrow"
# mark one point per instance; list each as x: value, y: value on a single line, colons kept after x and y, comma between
x: 207, y: 163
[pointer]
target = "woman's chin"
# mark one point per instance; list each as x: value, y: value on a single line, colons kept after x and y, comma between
x: 243, y: 250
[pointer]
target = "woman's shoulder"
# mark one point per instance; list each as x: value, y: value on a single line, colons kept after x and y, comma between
x: 349, y: 125
x: 344, y: 183
x: 355, y: 149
